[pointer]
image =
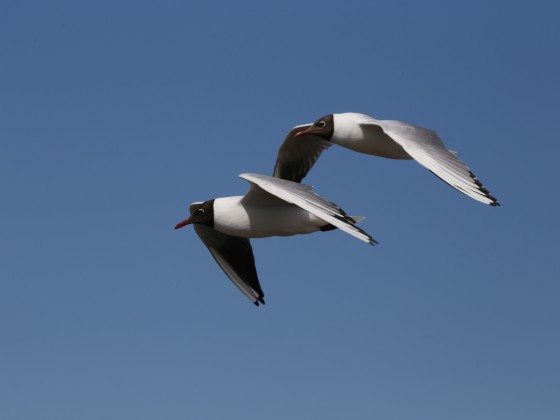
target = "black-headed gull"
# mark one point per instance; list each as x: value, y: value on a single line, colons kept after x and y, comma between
x: 385, y: 138
x: 272, y: 207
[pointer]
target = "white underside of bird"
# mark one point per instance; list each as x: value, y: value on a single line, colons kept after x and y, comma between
x: 235, y: 217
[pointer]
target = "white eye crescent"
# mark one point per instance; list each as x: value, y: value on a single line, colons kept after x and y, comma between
x: 199, y: 212
x: 321, y: 124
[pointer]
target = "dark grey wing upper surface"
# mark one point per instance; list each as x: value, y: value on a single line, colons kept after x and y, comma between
x: 297, y: 155
x: 235, y: 257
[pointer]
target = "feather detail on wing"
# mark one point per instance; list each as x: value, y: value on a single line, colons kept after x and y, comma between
x: 426, y: 147
x: 235, y: 257
x: 304, y: 197
x: 297, y: 155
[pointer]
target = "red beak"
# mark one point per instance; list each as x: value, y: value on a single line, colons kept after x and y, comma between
x: 303, y: 133
x: 183, y: 223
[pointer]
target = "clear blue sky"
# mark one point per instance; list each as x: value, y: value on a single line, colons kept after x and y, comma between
x: 115, y: 116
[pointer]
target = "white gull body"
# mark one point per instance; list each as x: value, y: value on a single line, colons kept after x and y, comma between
x: 237, y: 217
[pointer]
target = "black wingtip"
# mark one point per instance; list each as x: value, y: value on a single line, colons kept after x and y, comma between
x: 259, y: 300
x: 484, y: 190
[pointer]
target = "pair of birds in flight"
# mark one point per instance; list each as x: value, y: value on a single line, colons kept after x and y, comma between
x: 281, y: 206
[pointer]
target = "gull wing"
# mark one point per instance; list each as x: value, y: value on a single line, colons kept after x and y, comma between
x: 426, y: 147
x: 303, y: 196
x: 297, y: 156
x: 235, y: 257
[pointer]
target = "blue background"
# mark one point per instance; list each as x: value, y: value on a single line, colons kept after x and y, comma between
x: 115, y: 116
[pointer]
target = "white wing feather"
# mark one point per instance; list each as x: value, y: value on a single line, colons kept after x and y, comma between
x: 303, y: 196
x: 426, y: 147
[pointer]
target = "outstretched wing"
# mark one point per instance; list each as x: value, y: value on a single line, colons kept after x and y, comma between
x: 235, y: 257
x: 303, y: 196
x: 297, y: 155
x: 426, y: 148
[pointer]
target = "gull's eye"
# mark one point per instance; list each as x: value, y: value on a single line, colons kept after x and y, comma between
x: 321, y: 124
x: 199, y: 212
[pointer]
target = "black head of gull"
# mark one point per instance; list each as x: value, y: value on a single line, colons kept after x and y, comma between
x: 323, y: 128
x: 201, y: 213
